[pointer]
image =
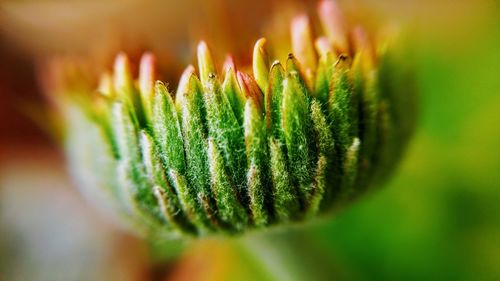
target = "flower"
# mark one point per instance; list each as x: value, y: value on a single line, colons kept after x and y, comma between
x: 232, y: 151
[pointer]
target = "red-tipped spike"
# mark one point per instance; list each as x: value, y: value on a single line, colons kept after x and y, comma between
x: 250, y: 88
x: 228, y: 64
x: 122, y: 73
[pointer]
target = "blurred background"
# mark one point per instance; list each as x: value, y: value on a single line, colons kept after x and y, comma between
x: 437, y: 219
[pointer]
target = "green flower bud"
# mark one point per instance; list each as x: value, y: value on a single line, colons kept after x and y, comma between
x: 233, y: 151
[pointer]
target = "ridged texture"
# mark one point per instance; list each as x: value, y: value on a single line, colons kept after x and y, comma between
x: 234, y: 152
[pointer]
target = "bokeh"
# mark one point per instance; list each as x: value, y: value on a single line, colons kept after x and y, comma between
x: 438, y: 218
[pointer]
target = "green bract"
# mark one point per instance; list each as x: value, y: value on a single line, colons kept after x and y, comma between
x: 232, y: 151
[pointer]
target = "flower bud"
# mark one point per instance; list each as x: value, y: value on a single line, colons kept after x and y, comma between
x: 234, y: 151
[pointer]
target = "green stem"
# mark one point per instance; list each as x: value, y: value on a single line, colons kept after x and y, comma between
x: 289, y: 255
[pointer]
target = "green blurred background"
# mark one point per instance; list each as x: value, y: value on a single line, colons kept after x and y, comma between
x: 437, y: 219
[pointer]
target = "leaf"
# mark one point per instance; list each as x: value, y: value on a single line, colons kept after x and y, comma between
x: 323, y: 135
x: 285, y: 199
x: 163, y: 191
x: 341, y: 106
x: 93, y: 164
x: 350, y: 170
x: 368, y: 116
x: 131, y: 172
x: 297, y: 125
x: 325, y: 166
x: 205, y: 63
x: 146, y: 84
x: 167, y: 132
x: 102, y: 111
x: 224, y: 129
x: 194, y: 132
x: 318, y: 187
x: 274, y: 101
x: 230, y: 210
x: 257, y: 176
x: 294, y: 70
x: 324, y: 75
x: 234, y: 95
x: 125, y: 90
x: 260, y: 64
x: 198, y: 214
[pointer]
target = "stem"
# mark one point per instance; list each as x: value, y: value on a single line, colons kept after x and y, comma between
x: 289, y: 255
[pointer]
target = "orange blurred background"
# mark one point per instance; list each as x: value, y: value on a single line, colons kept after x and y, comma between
x: 48, y: 232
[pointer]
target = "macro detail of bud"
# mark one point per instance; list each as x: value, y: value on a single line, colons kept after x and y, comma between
x: 231, y: 151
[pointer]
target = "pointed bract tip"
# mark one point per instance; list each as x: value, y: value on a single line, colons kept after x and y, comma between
x: 275, y: 63
x: 159, y: 86
x: 106, y: 84
x: 228, y: 64
x: 122, y: 72
x: 189, y: 70
x: 261, y: 63
x: 261, y: 43
x: 184, y: 81
x: 202, y: 47
x: 260, y: 52
x: 148, y: 61
x: 292, y: 64
x: 249, y: 87
x: 147, y: 73
x: 205, y: 62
